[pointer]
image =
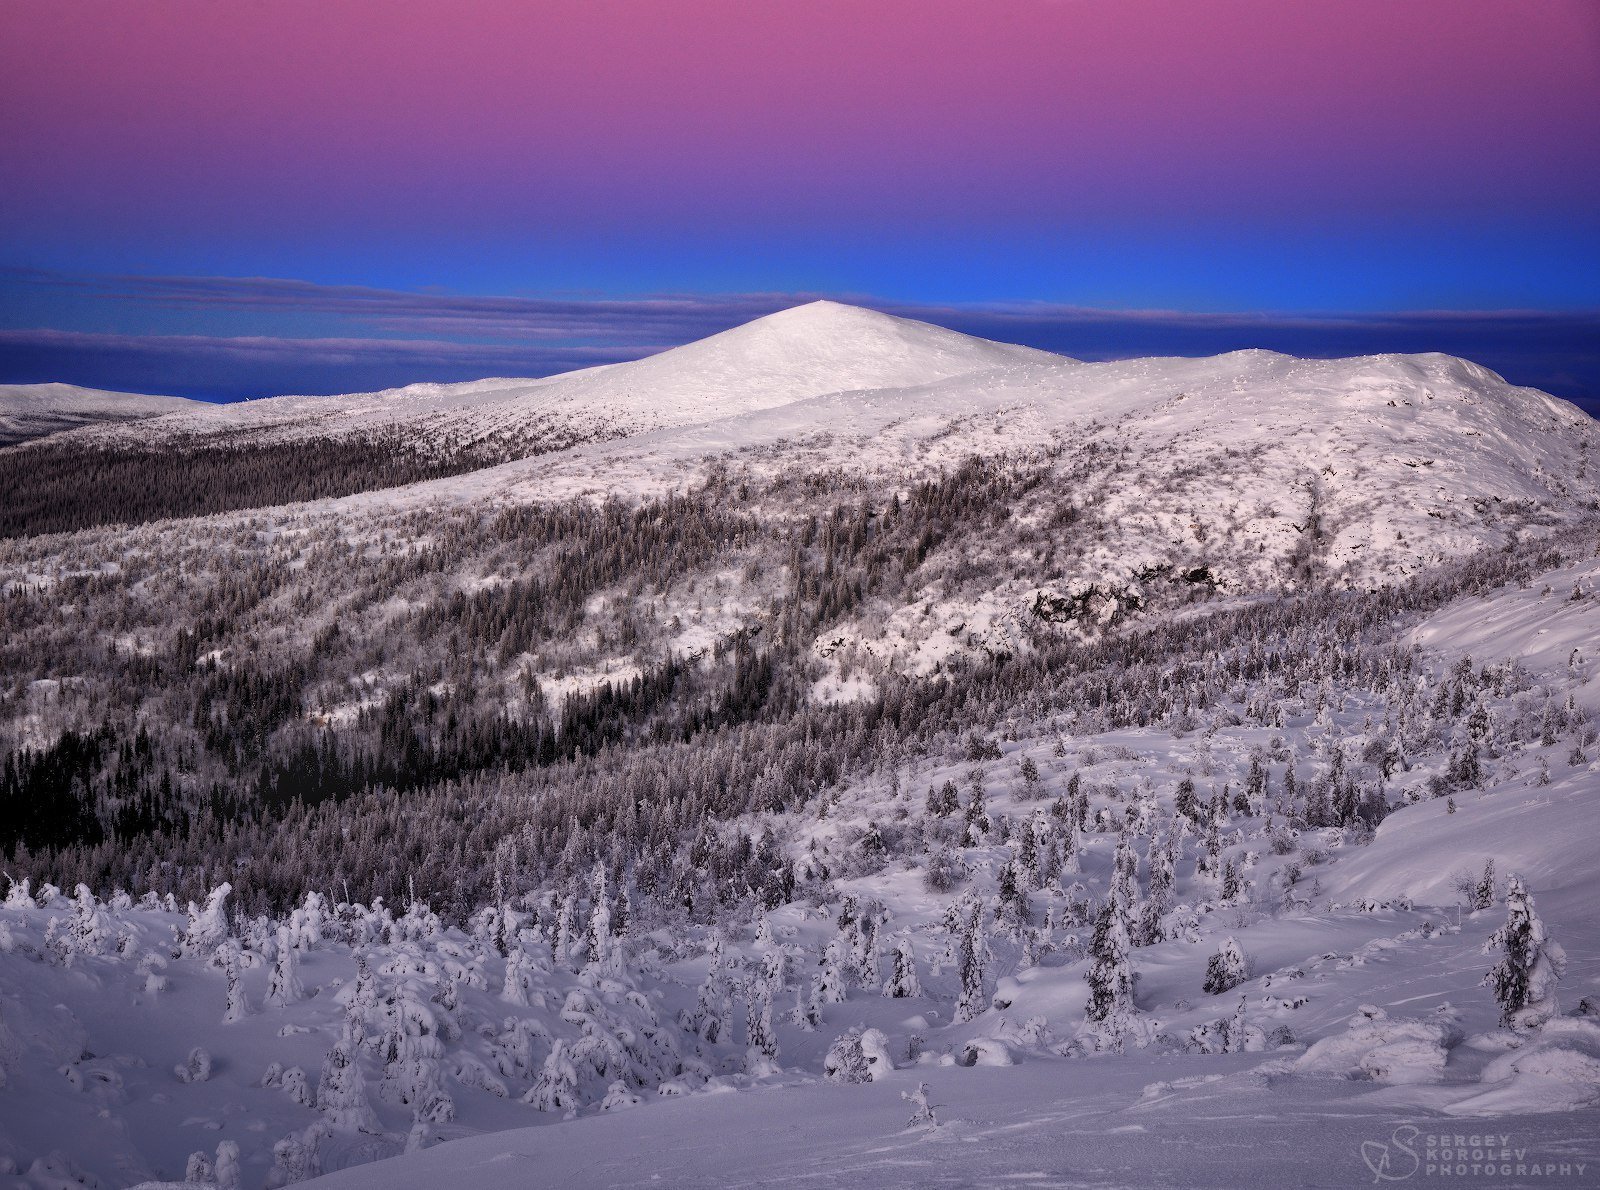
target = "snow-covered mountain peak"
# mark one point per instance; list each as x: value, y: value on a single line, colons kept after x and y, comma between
x: 795, y: 354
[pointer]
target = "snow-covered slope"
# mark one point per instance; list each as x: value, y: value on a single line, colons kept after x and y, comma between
x: 38, y: 410
x: 803, y: 352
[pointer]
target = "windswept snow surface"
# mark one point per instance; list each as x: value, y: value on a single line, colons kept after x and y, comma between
x: 30, y: 411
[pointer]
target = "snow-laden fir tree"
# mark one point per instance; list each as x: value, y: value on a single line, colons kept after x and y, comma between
x: 90, y: 930
x: 297, y: 1157
x: 846, y: 1061
x: 556, y: 1088
x: 971, y: 957
x: 1231, y: 885
x: 411, y: 1051
x: 517, y: 987
x: 306, y: 923
x: 903, y: 982
x: 832, y: 978
x: 225, y: 1170
x: 619, y: 1098
x: 198, y: 1169
x: 1110, y: 973
x: 342, y: 1090
x: 762, y: 1037
x: 709, y: 1017
x: 976, y: 816
x: 599, y: 938
x: 1531, y: 963
x: 1483, y: 891
x: 207, y: 928
x: 1123, y: 894
x: 1159, y: 897
x: 1228, y: 968
x: 283, y: 982
x: 807, y: 1012
x: 298, y: 1087
x: 238, y: 1008
x: 864, y: 950
x: 1013, y: 908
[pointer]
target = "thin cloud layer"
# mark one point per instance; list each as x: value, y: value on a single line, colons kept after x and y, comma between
x: 378, y: 338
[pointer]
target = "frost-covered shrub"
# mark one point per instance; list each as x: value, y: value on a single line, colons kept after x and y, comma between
x: 197, y: 1069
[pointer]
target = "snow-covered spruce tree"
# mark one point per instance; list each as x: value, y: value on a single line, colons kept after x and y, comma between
x: 1124, y: 892
x: 90, y: 929
x: 1231, y: 886
x: 903, y: 982
x: 807, y: 1012
x: 1187, y: 801
x: 1110, y: 973
x: 517, y: 985
x: 1483, y: 890
x: 762, y: 1038
x: 944, y: 871
x: 297, y: 1157
x: 1159, y: 898
x: 865, y: 958
x: 556, y: 1088
x: 976, y: 816
x: 1228, y: 968
x: 225, y: 1170
x: 619, y: 1098
x: 1531, y: 962
x: 1255, y: 787
x: 411, y: 1051
x: 832, y: 980
x: 972, y: 958
x: 298, y: 1087
x: 1014, y: 908
x: 238, y: 1008
x: 599, y: 939
x: 283, y: 983
x: 207, y: 928
x: 846, y: 1061
x: 342, y: 1090
x: 1233, y: 1034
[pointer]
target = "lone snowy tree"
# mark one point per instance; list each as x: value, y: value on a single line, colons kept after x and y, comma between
x: 1228, y: 968
x: 923, y: 1113
x: 1531, y: 963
